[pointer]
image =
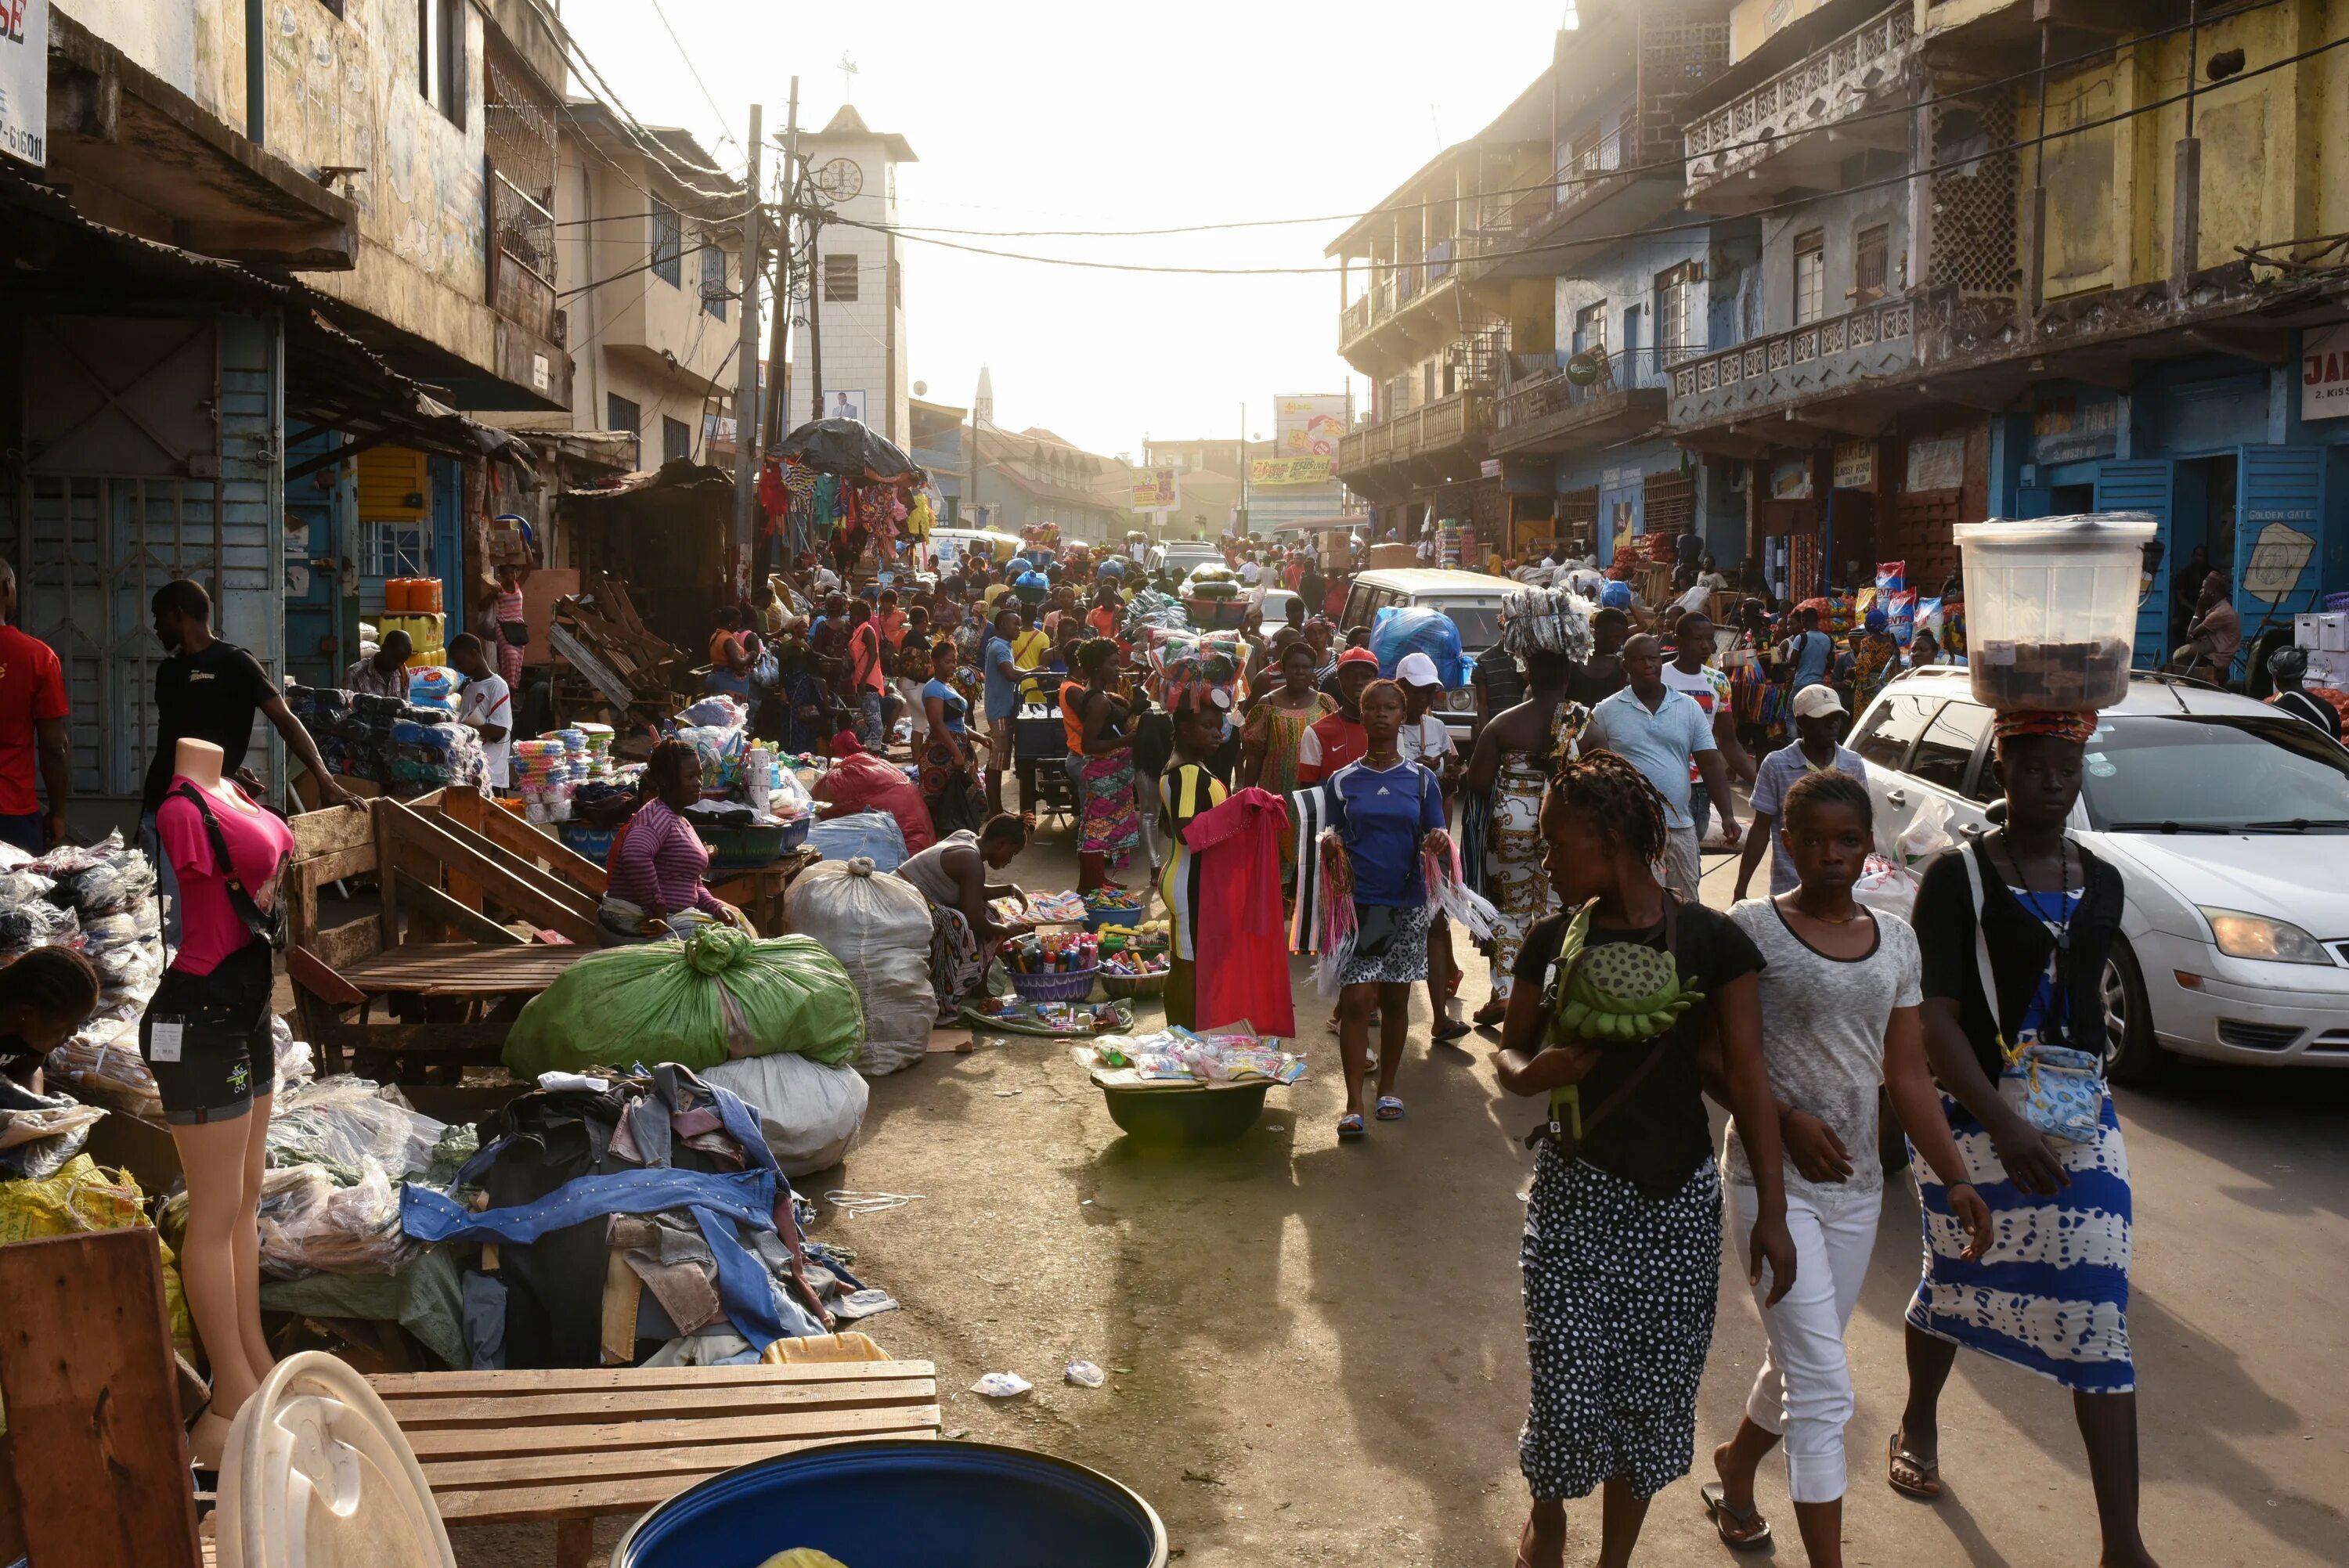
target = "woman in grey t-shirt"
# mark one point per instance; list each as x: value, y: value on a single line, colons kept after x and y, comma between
x: 1840, y: 993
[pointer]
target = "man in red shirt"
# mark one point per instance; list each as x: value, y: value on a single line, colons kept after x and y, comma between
x: 1329, y: 744
x: 32, y: 716
x: 866, y: 679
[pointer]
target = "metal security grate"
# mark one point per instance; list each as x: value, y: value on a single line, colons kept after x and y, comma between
x: 1974, y: 197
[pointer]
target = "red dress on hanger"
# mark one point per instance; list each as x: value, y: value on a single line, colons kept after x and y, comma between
x: 1238, y: 844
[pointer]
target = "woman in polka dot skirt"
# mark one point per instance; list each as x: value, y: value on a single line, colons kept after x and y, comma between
x: 1622, y: 1243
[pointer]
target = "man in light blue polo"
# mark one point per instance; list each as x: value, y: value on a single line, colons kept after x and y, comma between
x: 1661, y: 732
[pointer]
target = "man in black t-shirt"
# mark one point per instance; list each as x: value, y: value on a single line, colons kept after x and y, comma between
x: 209, y: 690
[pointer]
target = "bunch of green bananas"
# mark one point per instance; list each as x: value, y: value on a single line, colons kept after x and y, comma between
x: 1623, y: 991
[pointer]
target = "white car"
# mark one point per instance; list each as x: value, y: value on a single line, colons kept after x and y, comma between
x: 1273, y: 613
x: 2228, y: 823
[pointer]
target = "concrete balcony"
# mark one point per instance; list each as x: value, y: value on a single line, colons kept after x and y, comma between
x: 1408, y: 310
x: 1790, y: 132
x: 1551, y: 413
x: 1610, y: 186
x: 1771, y: 376
x: 1433, y: 434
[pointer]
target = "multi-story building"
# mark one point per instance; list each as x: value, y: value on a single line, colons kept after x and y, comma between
x: 858, y: 300
x: 1031, y: 477
x: 650, y: 255
x: 248, y: 247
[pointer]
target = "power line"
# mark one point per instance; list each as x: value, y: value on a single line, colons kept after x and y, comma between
x: 707, y: 96
x: 1590, y: 241
x: 1561, y: 183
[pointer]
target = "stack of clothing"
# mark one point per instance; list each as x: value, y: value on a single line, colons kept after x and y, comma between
x: 407, y: 748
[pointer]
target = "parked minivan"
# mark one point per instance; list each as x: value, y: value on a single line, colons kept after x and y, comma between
x: 1180, y: 556
x: 1470, y: 599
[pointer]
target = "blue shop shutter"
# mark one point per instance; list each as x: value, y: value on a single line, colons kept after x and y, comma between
x: 2282, y: 503
x: 2144, y: 486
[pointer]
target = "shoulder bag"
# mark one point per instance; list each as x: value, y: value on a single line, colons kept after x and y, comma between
x: 2058, y: 1089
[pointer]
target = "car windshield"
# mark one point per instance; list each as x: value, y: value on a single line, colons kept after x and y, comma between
x: 2232, y: 772
x: 1480, y: 624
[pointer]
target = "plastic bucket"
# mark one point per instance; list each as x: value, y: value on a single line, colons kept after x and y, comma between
x: 2051, y: 608
x: 1185, y: 1118
x: 895, y: 1503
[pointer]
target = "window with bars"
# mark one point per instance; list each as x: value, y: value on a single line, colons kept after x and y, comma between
x: 396, y: 548
x: 840, y: 280
x: 1675, y: 290
x: 1810, y: 277
x: 1871, y: 265
x: 677, y: 439
x: 668, y: 245
x: 713, y: 279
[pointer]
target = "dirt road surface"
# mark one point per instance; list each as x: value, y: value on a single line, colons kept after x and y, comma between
x: 1316, y: 1352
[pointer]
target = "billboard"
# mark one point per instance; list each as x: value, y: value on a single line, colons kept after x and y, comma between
x: 25, y: 80
x: 1309, y: 425
x: 1310, y: 470
x: 1155, y: 490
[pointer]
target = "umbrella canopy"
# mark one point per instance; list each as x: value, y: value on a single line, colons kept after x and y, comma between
x: 852, y: 450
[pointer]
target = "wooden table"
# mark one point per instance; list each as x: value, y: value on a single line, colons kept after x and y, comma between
x: 464, y: 969
x: 572, y: 1447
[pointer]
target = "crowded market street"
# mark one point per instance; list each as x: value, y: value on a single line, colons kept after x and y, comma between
x: 1318, y: 1353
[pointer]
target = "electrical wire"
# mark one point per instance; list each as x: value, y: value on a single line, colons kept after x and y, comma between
x: 1588, y: 242
x: 1562, y: 182
x: 633, y: 128
x: 707, y: 96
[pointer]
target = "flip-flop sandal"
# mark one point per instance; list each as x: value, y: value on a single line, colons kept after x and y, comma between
x: 1446, y: 1032
x: 1389, y: 1108
x: 1751, y: 1531
x: 1350, y: 1129
x: 1926, y: 1487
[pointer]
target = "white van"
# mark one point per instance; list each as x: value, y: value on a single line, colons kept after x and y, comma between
x: 951, y: 544
x: 1180, y: 556
x: 1471, y: 600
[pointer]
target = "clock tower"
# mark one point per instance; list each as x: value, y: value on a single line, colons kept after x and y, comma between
x: 858, y: 279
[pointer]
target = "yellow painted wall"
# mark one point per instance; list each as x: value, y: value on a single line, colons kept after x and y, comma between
x: 2275, y: 165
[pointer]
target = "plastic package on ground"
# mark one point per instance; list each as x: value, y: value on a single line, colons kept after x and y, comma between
x: 714, y: 993
x: 103, y: 1065
x: 809, y: 1114
x: 879, y: 929
x: 348, y: 1124
x: 1416, y: 631
x: 2051, y: 608
x: 1001, y: 1386
x: 310, y: 1223
x: 38, y: 1133
x: 875, y: 835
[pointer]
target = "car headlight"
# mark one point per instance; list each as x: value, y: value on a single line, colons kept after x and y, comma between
x: 2240, y: 935
x: 1461, y: 701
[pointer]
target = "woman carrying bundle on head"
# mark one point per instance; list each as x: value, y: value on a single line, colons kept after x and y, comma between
x: 1614, y: 1001
x: 1110, y: 826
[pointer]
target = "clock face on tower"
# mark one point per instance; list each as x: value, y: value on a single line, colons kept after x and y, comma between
x: 840, y: 179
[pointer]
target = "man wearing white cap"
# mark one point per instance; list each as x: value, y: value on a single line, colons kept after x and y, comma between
x: 1819, y: 717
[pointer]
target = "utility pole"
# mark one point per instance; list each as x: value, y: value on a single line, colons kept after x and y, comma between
x: 746, y: 380
x: 770, y: 402
x: 1241, y: 522
x: 815, y: 313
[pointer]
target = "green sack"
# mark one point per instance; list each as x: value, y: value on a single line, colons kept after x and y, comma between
x: 717, y: 992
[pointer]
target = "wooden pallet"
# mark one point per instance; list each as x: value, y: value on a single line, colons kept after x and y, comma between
x: 572, y: 1447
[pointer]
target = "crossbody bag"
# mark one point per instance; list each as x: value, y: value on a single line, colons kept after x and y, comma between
x: 2058, y: 1089
x: 268, y: 924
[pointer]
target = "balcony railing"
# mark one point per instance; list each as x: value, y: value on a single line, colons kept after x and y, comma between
x: 1425, y: 431
x: 521, y: 257
x: 1354, y: 321
x: 1627, y: 391
x: 1819, y: 356
x: 1809, y: 95
x: 1394, y: 286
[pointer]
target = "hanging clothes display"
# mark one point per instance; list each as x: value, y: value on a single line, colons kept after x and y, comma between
x: 1239, y: 843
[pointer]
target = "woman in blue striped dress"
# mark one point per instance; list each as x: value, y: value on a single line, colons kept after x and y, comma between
x: 2051, y: 1294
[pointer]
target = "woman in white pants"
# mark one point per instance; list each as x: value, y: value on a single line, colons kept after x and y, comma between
x: 1839, y: 1016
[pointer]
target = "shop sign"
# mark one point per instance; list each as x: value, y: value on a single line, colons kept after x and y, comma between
x: 25, y: 80
x: 1154, y: 490
x: 1937, y: 464
x: 2280, y: 554
x: 1291, y: 471
x: 2070, y: 429
x: 2324, y: 373
x: 1854, y: 465
x: 1790, y: 480
x: 1308, y: 426
x: 1490, y: 468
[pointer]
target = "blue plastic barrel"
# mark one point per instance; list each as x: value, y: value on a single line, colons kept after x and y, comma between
x: 895, y: 1503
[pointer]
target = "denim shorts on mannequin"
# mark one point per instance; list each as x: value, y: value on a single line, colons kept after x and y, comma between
x: 206, y: 1039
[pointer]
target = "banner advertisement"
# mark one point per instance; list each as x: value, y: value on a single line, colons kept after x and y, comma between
x: 1313, y: 470
x: 1155, y: 490
x: 2324, y: 373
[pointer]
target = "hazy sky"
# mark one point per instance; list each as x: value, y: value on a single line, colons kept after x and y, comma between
x: 1040, y: 114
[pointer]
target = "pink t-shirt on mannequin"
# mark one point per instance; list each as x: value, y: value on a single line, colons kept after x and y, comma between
x: 259, y: 844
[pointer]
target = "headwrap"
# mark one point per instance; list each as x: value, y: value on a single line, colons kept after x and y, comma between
x: 2014, y: 724
x: 1874, y: 620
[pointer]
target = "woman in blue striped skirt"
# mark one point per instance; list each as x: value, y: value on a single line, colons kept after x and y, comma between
x: 2039, y: 913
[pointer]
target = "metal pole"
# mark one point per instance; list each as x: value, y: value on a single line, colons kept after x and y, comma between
x: 971, y: 482
x: 1242, y: 521
x: 771, y: 410
x: 815, y: 313
x: 746, y: 379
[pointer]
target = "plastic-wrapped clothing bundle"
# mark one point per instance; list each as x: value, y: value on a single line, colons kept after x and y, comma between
x: 1546, y: 620
x: 872, y: 835
x: 809, y: 1114
x: 721, y: 750
x: 39, y: 924
x: 1402, y: 631
x: 717, y: 711
x: 879, y: 929
x: 23, y: 886
x: 311, y: 1223
x: 38, y: 1133
x: 347, y: 1124
x: 714, y: 993
x: 103, y: 1065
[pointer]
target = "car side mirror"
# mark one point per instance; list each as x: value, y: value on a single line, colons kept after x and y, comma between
x: 1995, y: 813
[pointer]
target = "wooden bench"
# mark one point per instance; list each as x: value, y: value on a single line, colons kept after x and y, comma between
x: 432, y: 950
x: 572, y: 1447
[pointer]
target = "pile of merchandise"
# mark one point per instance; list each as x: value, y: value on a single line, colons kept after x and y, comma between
x: 1010, y: 1015
x: 1179, y: 1056
x: 1185, y: 667
x: 541, y: 774
x: 409, y: 749
x: 1152, y: 611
